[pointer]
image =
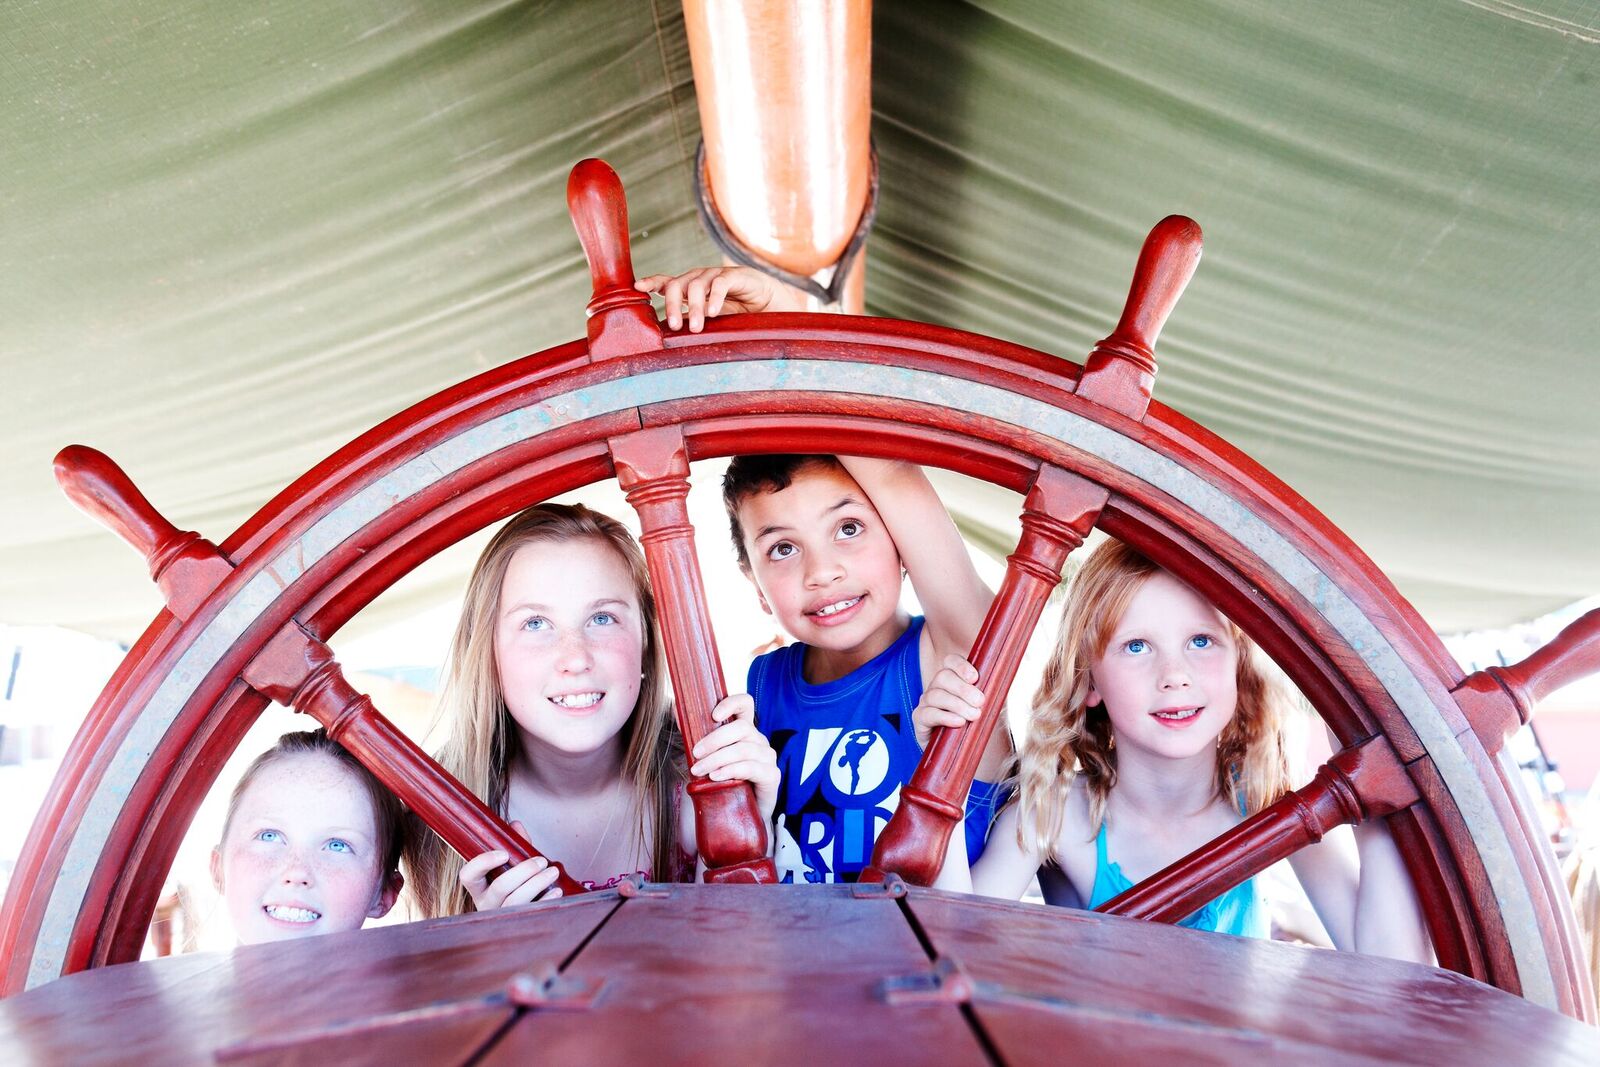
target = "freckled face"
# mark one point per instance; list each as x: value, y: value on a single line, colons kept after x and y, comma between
x: 1168, y: 677
x: 300, y: 856
x: 823, y: 563
x: 569, y: 644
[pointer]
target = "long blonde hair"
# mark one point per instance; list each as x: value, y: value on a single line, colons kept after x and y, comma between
x: 483, y: 739
x: 1068, y: 740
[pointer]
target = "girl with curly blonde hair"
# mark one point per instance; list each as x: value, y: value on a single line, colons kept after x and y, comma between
x: 1156, y: 728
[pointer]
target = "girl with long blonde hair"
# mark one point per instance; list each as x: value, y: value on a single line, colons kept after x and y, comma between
x: 560, y: 720
x: 1157, y: 727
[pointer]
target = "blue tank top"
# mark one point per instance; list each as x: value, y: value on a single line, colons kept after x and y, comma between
x: 1241, y: 911
x: 845, y: 748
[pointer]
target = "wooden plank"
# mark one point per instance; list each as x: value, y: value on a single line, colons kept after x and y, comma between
x: 747, y: 974
x: 436, y: 988
x: 1048, y: 980
x: 782, y: 975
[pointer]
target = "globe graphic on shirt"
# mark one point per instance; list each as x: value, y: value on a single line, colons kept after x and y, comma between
x: 859, y: 762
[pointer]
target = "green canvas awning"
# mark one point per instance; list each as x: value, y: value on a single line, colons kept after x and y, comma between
x: 234, y: 238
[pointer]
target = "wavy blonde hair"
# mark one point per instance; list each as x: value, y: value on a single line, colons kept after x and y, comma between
x: 483, y: 738
x: 1068, y: 740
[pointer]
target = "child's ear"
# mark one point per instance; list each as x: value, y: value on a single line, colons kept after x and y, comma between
x: 388, y: 893
x: 216, y: 867
x: 1093, y: 699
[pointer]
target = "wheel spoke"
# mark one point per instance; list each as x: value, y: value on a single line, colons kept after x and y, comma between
x: 185, y: 566
x: 1499, y: 700
x: 1121, y: 370
x: 621, y: 320
x: 653, y: 469
x: 1362, y: 781
x: 1058, y: 513
x: 299, y: 671
x: 295, y: 669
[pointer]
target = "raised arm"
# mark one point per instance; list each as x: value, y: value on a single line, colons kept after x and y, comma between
x: 954, y: 599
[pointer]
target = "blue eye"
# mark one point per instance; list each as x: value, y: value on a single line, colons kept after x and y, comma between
x: 781, y: 550
x: 339, y: 844
x: 1202, y: 641
x: 1138, y: 646
x: 604, y: 618
x: 269, y: 836
x: 537, y: 622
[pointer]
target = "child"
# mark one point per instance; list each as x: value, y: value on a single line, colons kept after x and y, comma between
x: 827, y: 541
x: 1155, y: 730
x: 311, y: 843
x: 560, y: 719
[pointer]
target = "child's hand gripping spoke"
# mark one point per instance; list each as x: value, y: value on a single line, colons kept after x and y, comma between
x: 710, y: 291
x: 522, y: 884
x: 951, y: 699
x: 736, y: 750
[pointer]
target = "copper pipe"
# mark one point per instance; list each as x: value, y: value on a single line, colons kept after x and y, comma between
x: 785, y: 104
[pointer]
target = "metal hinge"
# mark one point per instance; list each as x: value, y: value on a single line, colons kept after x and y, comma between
x: 892, y: 886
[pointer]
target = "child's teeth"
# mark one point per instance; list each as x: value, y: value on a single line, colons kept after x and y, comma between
x: 834, y: 609
x: 577, y: 700
x: 292, y: 915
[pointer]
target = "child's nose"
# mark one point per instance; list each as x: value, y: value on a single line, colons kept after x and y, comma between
x: 296, y: 870
x: 573, y: 652
x: 824, y: 568
x: 1174, y: 673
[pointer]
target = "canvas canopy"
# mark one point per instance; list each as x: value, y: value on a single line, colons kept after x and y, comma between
x: 235, y: 237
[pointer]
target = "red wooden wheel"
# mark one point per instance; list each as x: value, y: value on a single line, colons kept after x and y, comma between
x: 1422, y: 743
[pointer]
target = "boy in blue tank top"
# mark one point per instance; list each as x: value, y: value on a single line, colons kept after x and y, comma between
x: 819, y: 536
x: 827, y: 542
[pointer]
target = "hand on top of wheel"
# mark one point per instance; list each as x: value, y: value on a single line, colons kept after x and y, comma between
x: 706, y: 292
x: 526, y: 882
x: 736, y: 750
x: 951, y: 699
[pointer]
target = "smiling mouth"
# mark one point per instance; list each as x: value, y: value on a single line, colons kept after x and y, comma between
x: 1176, y: 714
x: 577, y: 701
x: 287, y: 914
x: 835, y: 608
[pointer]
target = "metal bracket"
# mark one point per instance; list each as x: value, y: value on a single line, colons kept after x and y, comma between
x: 545, y: 988
x: 635, y: 886
x: 947, y: 983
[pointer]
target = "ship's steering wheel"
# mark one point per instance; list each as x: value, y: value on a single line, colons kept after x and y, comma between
x: 246, y: 620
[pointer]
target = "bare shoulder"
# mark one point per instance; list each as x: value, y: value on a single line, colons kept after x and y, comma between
x: 1074, y: 845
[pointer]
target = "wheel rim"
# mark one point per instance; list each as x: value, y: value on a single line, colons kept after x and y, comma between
x: 538, y: 427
